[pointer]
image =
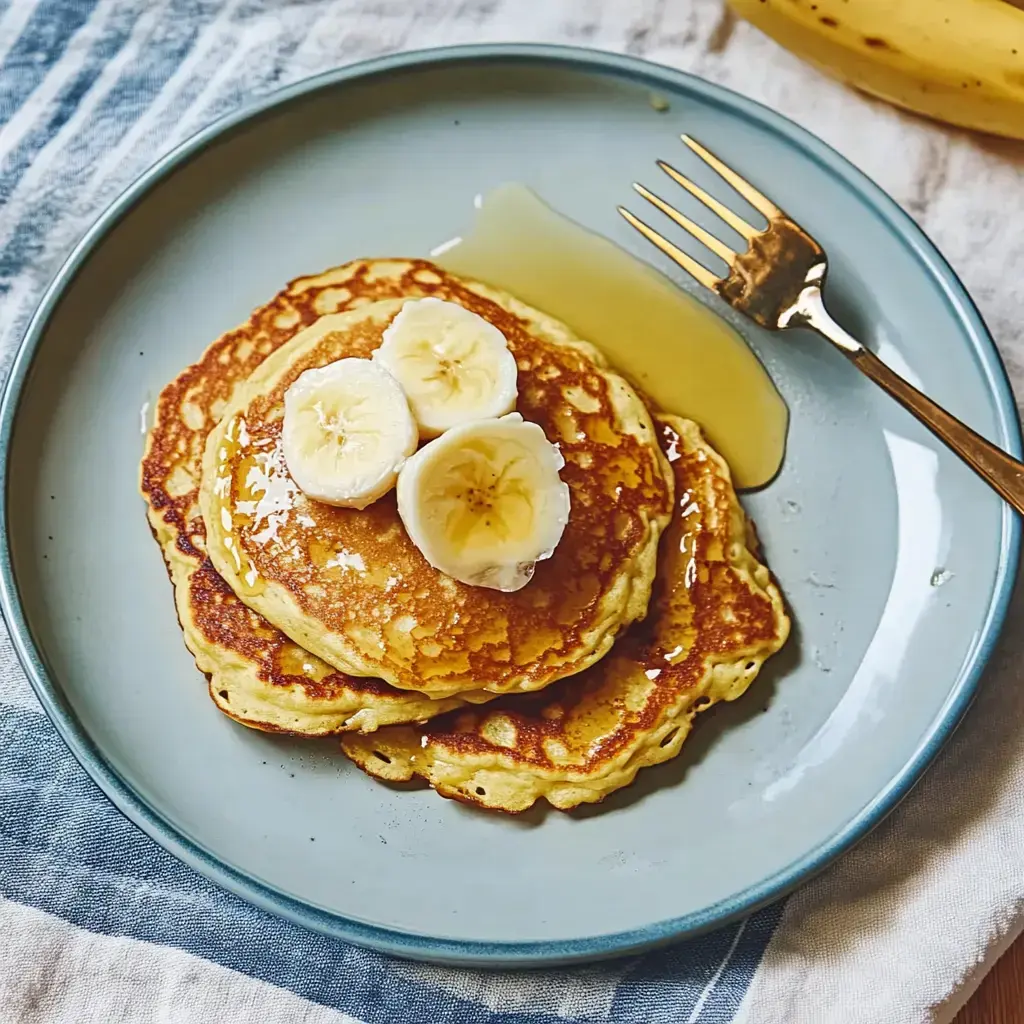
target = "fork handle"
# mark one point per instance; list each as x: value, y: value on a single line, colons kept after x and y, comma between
x: 1001, y: 471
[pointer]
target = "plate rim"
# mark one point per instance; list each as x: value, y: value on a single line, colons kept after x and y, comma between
x: 549, y: 951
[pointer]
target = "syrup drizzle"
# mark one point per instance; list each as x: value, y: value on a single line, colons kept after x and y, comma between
x: 682, y: 356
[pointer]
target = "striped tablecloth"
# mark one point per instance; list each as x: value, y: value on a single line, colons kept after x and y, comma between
x: 99, y: 926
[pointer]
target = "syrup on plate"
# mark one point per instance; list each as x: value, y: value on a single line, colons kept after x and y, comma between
x: 682, y: 356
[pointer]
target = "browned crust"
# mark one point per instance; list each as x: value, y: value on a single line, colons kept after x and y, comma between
x: 191, y: 405
x: 576, y: 601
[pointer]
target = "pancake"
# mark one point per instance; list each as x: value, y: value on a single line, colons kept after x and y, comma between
x: 715, y: 617
x: 255, y: 673
x: 350, y: 586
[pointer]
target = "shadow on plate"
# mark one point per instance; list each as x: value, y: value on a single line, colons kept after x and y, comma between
x: 324, y: 755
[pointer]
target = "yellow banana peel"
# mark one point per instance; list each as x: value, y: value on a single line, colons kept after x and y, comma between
x: 959, y: 61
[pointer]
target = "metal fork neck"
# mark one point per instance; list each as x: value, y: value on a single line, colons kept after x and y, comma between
x: 809, y: 311
x: 1002, y: 472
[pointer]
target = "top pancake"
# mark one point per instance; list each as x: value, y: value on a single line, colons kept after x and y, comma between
x: 350, y: 585
x: 715, y: 617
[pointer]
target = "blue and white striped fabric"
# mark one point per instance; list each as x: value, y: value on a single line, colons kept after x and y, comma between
x: 68, y: 852
x: 100, y: 925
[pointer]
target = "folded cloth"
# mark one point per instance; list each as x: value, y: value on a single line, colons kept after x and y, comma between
x: 100, y: 926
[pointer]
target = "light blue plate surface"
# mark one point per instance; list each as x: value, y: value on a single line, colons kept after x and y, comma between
x: 385, y: 159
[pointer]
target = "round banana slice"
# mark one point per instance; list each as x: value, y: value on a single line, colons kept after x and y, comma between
x: 484, y: 502
x: 347, y: 432
x: 455, y: 367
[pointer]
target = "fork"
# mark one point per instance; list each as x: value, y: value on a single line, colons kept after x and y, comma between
x: 777, y: 283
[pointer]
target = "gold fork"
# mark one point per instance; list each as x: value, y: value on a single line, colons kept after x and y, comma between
x: 777, y: 282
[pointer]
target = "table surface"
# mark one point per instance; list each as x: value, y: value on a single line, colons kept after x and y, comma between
x: 1000, y: 999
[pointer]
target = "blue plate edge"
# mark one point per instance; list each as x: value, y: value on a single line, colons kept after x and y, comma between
x: 547, y: 952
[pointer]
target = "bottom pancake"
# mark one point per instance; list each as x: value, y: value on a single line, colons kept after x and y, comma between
x: 715, y: 617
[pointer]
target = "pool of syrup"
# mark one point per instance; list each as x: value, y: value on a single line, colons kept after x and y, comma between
x: 683, y: 357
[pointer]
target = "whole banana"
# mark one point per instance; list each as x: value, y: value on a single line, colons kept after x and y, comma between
x: 960, y: 61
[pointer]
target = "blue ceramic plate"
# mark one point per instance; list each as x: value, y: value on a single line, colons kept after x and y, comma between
x: 896, y: 561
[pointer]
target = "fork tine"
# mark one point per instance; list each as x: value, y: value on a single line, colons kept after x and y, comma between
x: 730, y: 218
x: 717, y: 247
x: 756, y: 199
x: 687, y: 262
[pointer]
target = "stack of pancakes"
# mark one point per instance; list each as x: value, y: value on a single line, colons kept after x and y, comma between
x: 319, y: 620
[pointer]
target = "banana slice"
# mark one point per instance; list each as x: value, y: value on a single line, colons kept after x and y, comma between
x: 455, y: 367
x: 347, y: 432
x: 484, y: 502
